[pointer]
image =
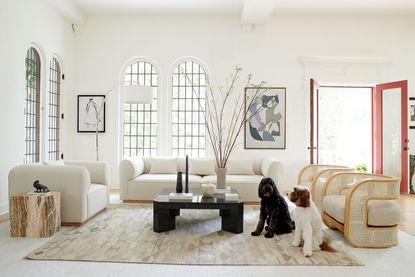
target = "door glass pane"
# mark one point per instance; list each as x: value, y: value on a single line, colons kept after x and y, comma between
x: 344, y: 127
x: 391, y: 132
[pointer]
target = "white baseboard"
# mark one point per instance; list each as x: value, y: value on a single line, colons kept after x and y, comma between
x: 4, y: 217
x: 4, y: 213
x: 4, y: 208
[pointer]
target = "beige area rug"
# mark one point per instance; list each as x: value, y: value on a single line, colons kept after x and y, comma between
x: 124, y: 234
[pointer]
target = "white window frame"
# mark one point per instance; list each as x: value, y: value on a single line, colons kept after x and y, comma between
x: 124, y: 68
x: 169, y: 97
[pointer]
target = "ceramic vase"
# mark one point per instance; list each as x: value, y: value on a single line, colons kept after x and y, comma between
x: 179, y: 182
x: 221, y: 177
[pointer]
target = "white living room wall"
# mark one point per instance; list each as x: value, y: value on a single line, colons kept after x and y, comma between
x: 22, y: 23
x: 272, y: 53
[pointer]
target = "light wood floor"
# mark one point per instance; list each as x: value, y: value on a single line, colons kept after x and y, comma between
x: 407, y: 203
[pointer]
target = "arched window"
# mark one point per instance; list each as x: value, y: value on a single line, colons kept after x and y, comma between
x: 140, y: 120
x: 188, y: 133
x: 32, y: 108
x: 54, y: 110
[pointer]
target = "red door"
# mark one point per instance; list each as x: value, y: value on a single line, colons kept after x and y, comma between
x: 390, y: 127
x: 313, y: 147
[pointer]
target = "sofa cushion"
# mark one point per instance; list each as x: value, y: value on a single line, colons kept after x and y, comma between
x: 380, y: 212
x: 240, y: 167
x: 236, y: 179
x: 201, y: 166
x: 163, y: 165
x: 163, y: 179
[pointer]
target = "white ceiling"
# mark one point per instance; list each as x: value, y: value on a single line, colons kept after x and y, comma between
x: 237, y: 6
x: 251, y: 12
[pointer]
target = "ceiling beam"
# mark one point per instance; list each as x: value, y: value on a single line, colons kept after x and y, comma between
x: 68, y: 10
x: 257, y: 12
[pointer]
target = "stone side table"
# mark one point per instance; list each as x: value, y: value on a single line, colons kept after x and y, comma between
x: 35, y: 215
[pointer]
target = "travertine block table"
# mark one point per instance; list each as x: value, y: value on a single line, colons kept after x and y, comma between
x: 35, y: 215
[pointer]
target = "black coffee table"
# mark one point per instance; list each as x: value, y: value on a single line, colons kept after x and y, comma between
x: 165, y: 210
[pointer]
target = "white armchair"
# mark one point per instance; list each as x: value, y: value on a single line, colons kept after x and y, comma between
x: 360, y: 205
x: 83, y: 186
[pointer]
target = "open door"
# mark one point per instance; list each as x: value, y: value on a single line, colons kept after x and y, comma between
x: 390, y: 125
x: 313, y: 147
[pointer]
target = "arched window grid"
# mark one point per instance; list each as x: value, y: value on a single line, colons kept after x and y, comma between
x: 141, y: 120
x: 32, y: 107
x: 188, y: 105
x: 54, y: 110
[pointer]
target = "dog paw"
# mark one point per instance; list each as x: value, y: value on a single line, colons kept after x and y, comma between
x: 307, y: 253
x: 269, y: 235
x: 255, y: 233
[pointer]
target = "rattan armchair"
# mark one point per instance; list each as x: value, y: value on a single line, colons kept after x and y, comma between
x: 314, y: 176
x: 359, y: 205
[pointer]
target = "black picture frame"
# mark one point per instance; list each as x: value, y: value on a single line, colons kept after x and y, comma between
x: 87, y: 105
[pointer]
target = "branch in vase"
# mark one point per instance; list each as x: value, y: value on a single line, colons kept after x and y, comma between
x: 222, y: 139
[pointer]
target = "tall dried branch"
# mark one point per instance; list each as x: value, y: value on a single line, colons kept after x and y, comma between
x: 223, y: 138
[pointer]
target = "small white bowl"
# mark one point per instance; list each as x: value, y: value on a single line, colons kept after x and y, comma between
x: 207, y: 189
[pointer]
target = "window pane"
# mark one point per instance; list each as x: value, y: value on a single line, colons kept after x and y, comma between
x: 54, y: 110
x: 143, y: 118
x: 188, y: 128
x: 32, y: 113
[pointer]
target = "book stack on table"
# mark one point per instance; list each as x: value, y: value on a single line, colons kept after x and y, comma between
x: 181, y: 196
x: 231, y: 197
x: 222, y: 191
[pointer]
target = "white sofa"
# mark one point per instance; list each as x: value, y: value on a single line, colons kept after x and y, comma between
x: 138, y: 182
x: 83, y: 186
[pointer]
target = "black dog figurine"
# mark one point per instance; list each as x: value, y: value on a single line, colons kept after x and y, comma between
x: 39, y: 187
x: 274, y: 210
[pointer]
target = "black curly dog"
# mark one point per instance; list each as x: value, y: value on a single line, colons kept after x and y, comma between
x: 274, y: 210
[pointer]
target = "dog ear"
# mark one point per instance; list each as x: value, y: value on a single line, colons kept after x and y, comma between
x: 305, y: 198
x: 274, y: 186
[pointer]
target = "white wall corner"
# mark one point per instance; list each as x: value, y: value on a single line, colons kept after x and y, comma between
x: 68, y: 10
x: 4, y: 208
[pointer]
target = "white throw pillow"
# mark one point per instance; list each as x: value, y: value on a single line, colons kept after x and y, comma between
x: 240, y: 167
x: 163, y: 165
x: 202, y: 167
x: 57, y: 162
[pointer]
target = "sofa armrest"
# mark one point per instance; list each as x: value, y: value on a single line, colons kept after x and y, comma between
x: 308, y: 173
x: 99, y: 171
x: 342, y: 181
x: 73, y: 183
x: 129, y: 169
x: 273, y: 168
x: 319, y: 181
x: 356, y: 206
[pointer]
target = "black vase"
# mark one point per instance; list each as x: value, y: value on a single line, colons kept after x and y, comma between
x: 179, y: 183
x: 186, y: 188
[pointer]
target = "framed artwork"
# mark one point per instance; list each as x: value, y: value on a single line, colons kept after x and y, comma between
x: 88, y: 107
x: 411, y: 112
x: 265, y: 118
